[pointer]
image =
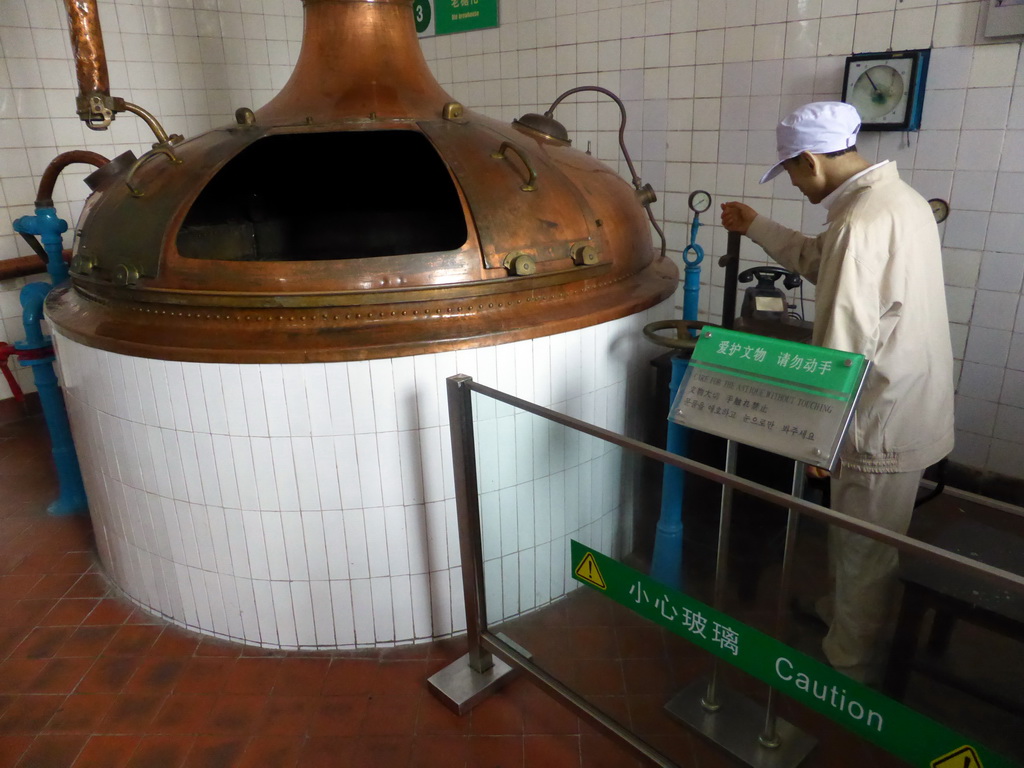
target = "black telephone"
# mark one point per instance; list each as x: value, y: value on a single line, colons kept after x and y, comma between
x: 765, y: 301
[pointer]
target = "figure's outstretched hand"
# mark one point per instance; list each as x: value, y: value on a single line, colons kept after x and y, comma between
x: 737, y: 217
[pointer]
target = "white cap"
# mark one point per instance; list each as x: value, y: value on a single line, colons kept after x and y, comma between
x: 820, y: 128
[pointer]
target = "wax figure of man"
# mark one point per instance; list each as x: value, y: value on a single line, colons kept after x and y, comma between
x: 877, y: 271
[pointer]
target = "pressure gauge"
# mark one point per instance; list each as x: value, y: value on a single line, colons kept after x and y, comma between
x: 940, y: 208
x: 699, y: 201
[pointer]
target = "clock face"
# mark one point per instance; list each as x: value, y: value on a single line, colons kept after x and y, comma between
x: 880, y: 88
x: 878, y: 93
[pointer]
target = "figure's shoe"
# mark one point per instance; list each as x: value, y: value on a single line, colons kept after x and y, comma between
x: 806, y: 609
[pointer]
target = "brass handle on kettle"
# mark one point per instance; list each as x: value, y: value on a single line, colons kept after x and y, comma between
x: 531, y: 184
x: 158, y: 149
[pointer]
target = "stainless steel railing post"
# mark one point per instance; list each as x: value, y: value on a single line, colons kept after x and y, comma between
x: 710, y: 701
x: 770, y: 736
x: 460, y: 410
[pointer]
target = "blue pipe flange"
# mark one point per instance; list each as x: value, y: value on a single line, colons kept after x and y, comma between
x: 48, y: 227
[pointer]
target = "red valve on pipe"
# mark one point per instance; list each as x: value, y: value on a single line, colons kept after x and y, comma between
x: 6, y: 350
x: 9, y: 350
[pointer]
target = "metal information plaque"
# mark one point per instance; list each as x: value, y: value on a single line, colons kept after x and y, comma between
x: 792, y: 399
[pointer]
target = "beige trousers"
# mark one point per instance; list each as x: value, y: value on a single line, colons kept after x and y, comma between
x: 863, y: 569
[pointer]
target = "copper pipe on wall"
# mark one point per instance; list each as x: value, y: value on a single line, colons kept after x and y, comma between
x: 96, y: 107
x: 87, y: 44
x: 94, y: 104
x: 44, y: 196
x: 25, y: 266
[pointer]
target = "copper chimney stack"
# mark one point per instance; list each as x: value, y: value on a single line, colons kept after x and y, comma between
x: 359, y: 61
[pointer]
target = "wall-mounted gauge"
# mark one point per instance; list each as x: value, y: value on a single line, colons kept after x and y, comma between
x: 940, y: 208
x: 887, y: 88
x: 699, y: 201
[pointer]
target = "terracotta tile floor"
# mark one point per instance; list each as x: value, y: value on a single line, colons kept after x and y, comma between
x: 86, y: 679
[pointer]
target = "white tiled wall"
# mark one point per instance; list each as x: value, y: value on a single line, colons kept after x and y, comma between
x: 305, y: 506
x: 704, y: 82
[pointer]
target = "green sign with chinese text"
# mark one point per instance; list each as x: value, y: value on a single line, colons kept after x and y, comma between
x: 803, y: 367
x: 452, y: 16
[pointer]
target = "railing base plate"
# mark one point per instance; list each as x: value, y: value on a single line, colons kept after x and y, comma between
x: 460, y: 688
x: 736, y: 726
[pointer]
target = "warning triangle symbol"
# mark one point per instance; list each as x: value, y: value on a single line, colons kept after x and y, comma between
x: 964, y: 757
x: 588, y: 571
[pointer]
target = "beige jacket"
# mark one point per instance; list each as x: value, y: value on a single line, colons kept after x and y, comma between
x: 877, y: 271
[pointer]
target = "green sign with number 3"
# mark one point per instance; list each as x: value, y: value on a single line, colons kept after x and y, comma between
x: 422, y: 13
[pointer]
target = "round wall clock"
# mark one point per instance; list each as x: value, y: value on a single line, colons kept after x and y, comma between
x: 887, y: 88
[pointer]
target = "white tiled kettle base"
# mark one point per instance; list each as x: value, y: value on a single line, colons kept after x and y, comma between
x: 312, y: 506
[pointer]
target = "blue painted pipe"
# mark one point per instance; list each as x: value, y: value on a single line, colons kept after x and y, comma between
x: 691, y: 278
x: 667, y: 560
x: 48, y: 228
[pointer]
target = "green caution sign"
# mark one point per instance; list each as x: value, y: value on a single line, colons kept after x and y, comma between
x: 907, y: 734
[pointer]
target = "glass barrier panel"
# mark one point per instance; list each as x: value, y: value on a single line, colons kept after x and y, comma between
x: 950, y: 642
x: 569, y: 525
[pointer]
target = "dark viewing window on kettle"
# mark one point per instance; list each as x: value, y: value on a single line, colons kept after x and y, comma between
x: 321, y: 196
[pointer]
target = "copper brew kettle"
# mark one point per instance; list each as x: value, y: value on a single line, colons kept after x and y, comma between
x: 361, y: 213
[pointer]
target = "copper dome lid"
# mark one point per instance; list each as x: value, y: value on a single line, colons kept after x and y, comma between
x: 361, y: 213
